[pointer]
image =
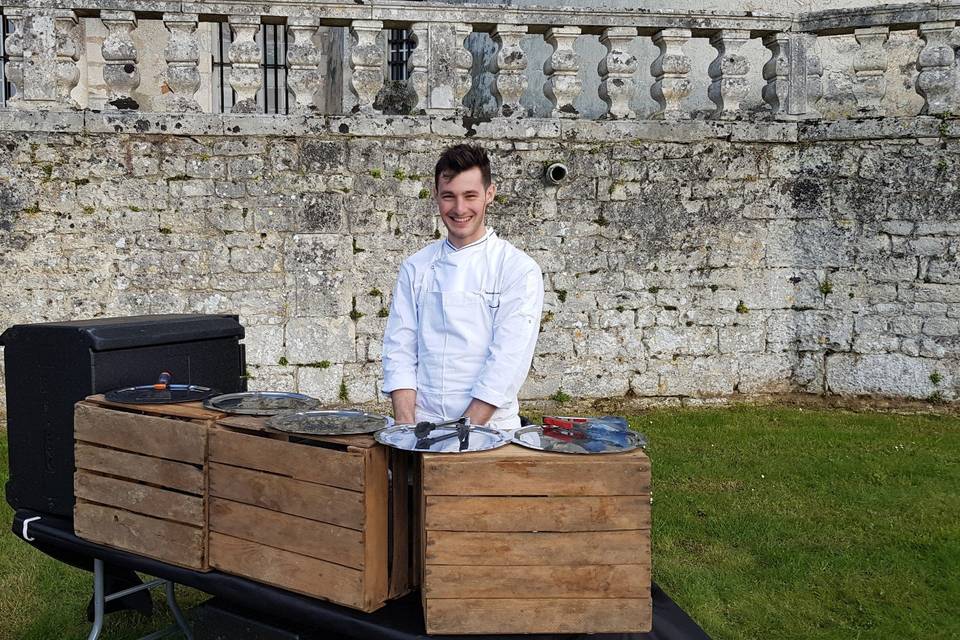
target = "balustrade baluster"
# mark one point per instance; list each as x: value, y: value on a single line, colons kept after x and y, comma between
x: 562, y: 85
x: 304, y: 78
x: 182, y: 54
x: 366, y: 63
x: 43, y: 51
x: 616, y: 71
x: 792, y: 75
x: 508, y: 67
x: 671, y: 84
x: 463, y: 65
x: 937, y: 81
x: 417, y: 64
x: 13, y: 46
x: 120, y: 71
x: 728, y: 73
x: 245, y: 74
x: 869, y: 67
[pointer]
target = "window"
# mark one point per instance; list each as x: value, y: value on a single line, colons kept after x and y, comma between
x: 273, y: 95
x: 6, y: 88
x: 399, y: 47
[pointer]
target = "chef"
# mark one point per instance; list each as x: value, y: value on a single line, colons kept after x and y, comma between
x: 465, y: 312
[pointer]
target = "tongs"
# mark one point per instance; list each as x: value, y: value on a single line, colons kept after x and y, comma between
x: 422, y: 431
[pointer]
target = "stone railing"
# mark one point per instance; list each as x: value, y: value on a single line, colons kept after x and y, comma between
x: 44, y: 49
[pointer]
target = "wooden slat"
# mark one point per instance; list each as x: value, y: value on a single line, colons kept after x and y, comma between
x: 161, y: 437
x: 376, y: 543
x: 166, y: 473
x: 310, y: 500
x: 139, y: 498
x: 580, y: 548
x: 287, y: 570
x: 594, y: 581
x: 188, y: 410
x: 291, y: 533
x: 401, y: 522
x: 506, y: 471
x: 336, y: 468
x: 259, y: 423
x: 516, y: 513
x: 172, y: 542
x: 613, y: 615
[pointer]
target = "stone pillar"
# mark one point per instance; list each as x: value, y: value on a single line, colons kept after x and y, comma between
x: 728, y: 73
x: 439, y: 68
x: 562, y: 85
x: 182, y: 53
x: 869, y: 67
x: 792, y: 75
x: 417, y: 63
x: 366, y: 63
x: 43, y: 51
x: 304, y: 77
x: 120, y: 71
x: 463, y: 64
x: 671, y: 84
x: 937, y: 80
x: 616, y: 71
x: 244, y: 54
x: 509, y: 68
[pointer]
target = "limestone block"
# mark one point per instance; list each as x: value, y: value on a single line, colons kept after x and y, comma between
x: 323, y: 293
x: 538, y: 386
x: 271, y: 378
x: 321, y: 213
x: 944, y: 270
x: 322, y: 383
x: 669, y: 341
x: 766, y: 373
x: 318, y: 339
x: 743, y: 338
x: 554, y: 342
x: 588, y: 384
x: 941, y: 327
x: 264, y: 343
x: 809, y: 330
x: 697, y: 376
x: 887, y: 374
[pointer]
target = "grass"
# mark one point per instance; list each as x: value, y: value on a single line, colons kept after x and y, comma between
x: 768, y: 523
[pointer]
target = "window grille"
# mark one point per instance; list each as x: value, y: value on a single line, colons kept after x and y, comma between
x: 273, y: 94
x: 399, y: 47
x: 6, y: 88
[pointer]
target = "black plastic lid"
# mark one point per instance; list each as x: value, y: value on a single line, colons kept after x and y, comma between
x: 105, y: 334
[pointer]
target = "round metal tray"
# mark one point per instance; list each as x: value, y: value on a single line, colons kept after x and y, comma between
x: 402, y: 436
x: 330, y: 423
x: 533, y: 437
x: 151, y: 394
x: 261, y: 403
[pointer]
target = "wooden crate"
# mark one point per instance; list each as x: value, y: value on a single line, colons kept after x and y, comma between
x: 140, y: 480
x: 315, y: 515
x: 521, y: 541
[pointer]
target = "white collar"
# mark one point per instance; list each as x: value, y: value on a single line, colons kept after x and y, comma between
x: 486, y: 236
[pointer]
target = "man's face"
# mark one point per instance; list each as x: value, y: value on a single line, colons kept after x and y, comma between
x: 462, y: 201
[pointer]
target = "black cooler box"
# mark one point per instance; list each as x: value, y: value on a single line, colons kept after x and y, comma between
x: 51, y: 366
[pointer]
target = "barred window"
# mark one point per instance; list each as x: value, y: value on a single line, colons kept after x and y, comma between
x: 399, y: 46
x: 273, y: 94
x: 6, y: 88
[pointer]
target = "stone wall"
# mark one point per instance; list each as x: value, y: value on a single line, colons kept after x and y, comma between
x: 681, y: 260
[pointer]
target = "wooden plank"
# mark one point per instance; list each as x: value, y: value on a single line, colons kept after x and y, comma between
x: 277, y: 493
x: 161, y: 437
x: 608, y: 615
x: 188, y: 410
x: 259, y: 423
x: 287, y: 570
x: 577, y: 548
x: 172, y: 542
x: 139, y: 498
x: 166, y: 473
x: 336, y: 468
x: 376, y: 542
x: 517, y: 513
x: 536, y: 473
x: 592, y: 581
x: 290, y: 533
x: 400, y: 524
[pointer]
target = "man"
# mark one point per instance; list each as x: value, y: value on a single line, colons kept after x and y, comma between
x: 465, y: 312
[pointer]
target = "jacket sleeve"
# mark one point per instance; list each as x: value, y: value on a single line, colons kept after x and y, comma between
x: 400, y: 336
x: 515, y: 331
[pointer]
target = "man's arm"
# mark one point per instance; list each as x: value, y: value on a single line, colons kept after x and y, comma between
x: 400, y: 349
x: 404, y: 405
x: 479, y: 412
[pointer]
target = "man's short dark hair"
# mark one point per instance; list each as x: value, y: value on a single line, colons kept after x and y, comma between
x: 458, y: 159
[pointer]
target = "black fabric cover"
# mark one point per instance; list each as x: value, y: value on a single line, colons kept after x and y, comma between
x: 401, y: 619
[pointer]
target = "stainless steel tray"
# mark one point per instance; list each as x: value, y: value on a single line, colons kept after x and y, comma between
x: 567, y: 441
x: 402, y: 436
x: 329, y: 423
x: 261, y: 403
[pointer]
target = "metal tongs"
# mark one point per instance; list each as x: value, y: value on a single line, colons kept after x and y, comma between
x: 422, y: 432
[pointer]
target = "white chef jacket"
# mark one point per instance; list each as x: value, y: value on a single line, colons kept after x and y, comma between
x: 463, y: 324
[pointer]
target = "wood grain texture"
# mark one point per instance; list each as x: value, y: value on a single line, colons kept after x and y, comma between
x: 401, y: 522
x: 166, y: 473
x: 188, y: 410
x: 139, y: 498
x: 342, y: 469
x: 290, y: 533
x: 309, y: 576
x: 518, y: 513
x: 376, y: 540
x: 168, y: 438
x: 575, y: 548
x: 172, y: 542
x: 591, y: 581
x: 307, y: 499
x: 542, y: 615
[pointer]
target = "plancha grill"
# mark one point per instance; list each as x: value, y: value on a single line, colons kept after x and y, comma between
x: 50, y: 366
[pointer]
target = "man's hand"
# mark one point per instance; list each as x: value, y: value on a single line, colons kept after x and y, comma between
x: 479, y: 412
x: 404, y: 405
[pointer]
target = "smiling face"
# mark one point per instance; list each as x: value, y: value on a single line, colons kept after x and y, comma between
x: 462, y: 200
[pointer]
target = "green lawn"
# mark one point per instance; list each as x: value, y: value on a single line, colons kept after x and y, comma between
x: 768, y: 523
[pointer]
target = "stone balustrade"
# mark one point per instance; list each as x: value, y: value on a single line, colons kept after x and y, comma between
x: 44, y: 53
